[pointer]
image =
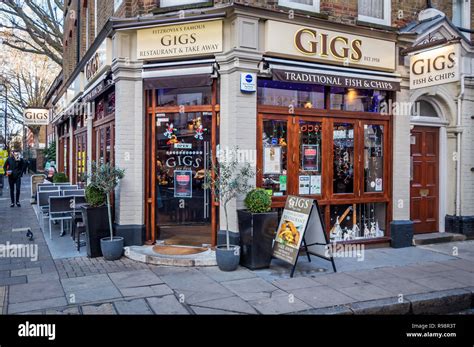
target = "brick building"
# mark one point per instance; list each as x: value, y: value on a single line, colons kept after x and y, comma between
x: 365, y: 105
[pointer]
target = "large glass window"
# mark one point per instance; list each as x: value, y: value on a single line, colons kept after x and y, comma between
x: 305, y: 5
x: 373, y: 158
x: 344, y: 158
x: 275, y: 146
x: 310, y: 170
x: 298, y: 95
x: 375, y: 11
x: 172, y: 3
x: 356, y: 100
x: 184, y: 96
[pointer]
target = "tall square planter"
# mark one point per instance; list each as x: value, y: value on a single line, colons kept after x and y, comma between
x: 97, y: 226
x: 257, y: 231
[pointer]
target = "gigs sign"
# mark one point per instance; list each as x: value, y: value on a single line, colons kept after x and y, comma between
x: 36, y: 116
x: 329, y: 46
x: 436, y: 66
x: 180, y: 40
x: 99, y: 61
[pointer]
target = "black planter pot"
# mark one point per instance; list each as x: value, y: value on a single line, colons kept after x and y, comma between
x: 97, y: 226
x: 257, y: 231
x: 227, y: 259
x: 112, y: 249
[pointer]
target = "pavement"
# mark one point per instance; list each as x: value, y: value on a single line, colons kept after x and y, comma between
x: 39, y: 277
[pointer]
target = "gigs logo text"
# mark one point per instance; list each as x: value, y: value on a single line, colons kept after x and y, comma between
x: 36, y: 116
x: 310, y: 42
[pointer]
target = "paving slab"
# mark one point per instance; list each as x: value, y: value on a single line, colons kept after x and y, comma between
x: 166, y: 305
x: 36, y: 305
x: 44, y: 277
x: 212, y: 311
x: 253, y: 288
x: 438, y: 282
x: 402, y: 286
x: 35, y: 291
x: 233, y: 303
x: 365, y: 292
x: 441, y: 302
x: 26, y: 271
x: 7, y: 281
x: 221, y: 276
x: 104, y: 293
x: 322, y: 296
x: 86, y: 282
x: 105, y: 309
x: 338, y: 280
x: 157, y: 290
x: 64, y: 311
x: 460, y: 276
x: 195, y: 297
x: 136, y: 278
x: 280, y: 304
x: 137, y: 306
x: 332, y: 310
x: 289, y: 284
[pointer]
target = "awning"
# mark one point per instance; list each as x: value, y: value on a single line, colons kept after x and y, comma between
x: 97, y: 87
x: 309, y: 73
x: 178, y: 75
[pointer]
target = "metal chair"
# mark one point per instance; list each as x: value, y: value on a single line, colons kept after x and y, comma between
x: 62, y: 184
x: 74, y: 192
x: 78, y: 226
x: 48, y: 188
x: 60, y: 209
x: 43, y: 203
x: 68, y: 187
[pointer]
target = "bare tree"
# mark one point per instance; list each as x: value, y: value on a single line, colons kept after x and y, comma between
x: 33, y: 26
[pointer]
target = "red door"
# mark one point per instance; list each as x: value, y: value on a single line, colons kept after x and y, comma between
x: 424, y: 187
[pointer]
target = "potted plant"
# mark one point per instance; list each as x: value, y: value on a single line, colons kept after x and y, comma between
x: 60, y: 177
x: 228, y: 179
x: 104, y: 179
x: 257, y: 227
x: 94, y: 216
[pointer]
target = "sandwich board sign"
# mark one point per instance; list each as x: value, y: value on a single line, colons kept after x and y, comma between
x: 301, y: 226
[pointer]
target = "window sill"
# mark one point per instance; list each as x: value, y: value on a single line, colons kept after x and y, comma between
x: 304, y: 12
x: 375, y: 26
x: 161, y: 10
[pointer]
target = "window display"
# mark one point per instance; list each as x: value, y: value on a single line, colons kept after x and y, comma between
x: 357, y: 221
x: 373, y: 158
x: 274, y: 139
x: 276, y: 93
x: 343, y: 166
x: 310, y: 160
x: 356, y: 100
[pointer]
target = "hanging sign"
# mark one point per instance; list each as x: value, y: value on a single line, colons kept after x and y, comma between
x: 434, y: 67
x: 183, y: 184
x: 301, y: 225
x: 36, y: 116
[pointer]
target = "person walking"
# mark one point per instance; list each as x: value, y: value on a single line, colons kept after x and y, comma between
x: 14, y: 167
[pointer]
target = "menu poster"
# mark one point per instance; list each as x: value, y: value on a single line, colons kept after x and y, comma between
x: 315, y: 185
x: 378, y: 185
x: 183, y: 184
x: 272, y: 160
x: 304, y: 185
x: 282, y: 183
x: 310, y: 157
x: 291, y: 228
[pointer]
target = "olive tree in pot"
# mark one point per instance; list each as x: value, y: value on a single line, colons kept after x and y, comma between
x: 228, y: 179
x: 105, y: 178
x: 257, y: 227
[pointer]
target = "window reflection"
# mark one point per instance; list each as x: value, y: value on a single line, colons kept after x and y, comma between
x: 373, y: 158
x: 343, y: 166
x: 275, y: 146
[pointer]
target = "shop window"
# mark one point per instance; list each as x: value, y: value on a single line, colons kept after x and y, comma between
x: 309, y: 180
x: 100, y: 109
x: 357, y: 221
x: 275, y: 156
x: 343, y: 165
x: 357, y: 100
x: 184, y: 96
x: 275, y: 93
x: 305, y: 5
x: 375, y: 11
x: 373, y: 158
x: 110, y: 103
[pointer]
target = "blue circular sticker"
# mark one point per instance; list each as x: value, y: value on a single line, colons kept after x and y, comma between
x: 248, y: 78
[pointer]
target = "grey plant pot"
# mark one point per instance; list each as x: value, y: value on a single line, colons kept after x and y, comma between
x: 112, y: 249
x: 227, y: 259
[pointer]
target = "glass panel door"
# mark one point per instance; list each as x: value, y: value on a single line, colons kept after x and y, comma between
x: 310, y: 157
x: 183, y: 156
x: 343, y: 158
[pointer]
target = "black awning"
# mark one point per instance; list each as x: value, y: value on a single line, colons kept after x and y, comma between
x: 199, y: 80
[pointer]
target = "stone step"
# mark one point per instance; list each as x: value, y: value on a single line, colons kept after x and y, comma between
x: 431, y: 238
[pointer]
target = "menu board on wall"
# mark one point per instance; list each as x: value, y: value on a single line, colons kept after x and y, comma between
x: 183, y: 184
x: 272, y: 160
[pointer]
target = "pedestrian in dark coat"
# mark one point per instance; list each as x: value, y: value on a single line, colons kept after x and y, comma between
x: 14, y: 167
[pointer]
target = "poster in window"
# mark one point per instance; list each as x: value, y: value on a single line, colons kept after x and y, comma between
x: 315, y: 184
x: 310, y: 157
x: 272, y: 160
x: 304, y: 182
x: 183, y: 184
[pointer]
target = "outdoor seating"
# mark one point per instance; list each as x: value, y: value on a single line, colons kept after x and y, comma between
x: 68, y: 187
x: 60, y: 209
x: 78, y: 227
x: 47, y: 188
x: 74, y: 192
x: 43, y: 203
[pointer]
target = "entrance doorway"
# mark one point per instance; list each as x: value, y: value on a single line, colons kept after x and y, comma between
x: 180, y: 144
x: 424, y: 183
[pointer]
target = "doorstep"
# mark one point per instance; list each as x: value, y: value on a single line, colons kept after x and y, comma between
x: 431, y: 238
x: 145, y: 254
